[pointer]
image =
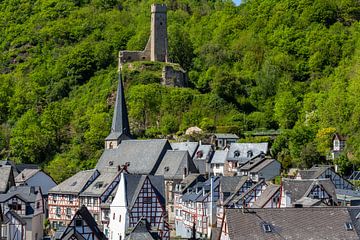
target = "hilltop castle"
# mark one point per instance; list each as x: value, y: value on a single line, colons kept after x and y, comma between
x: 156, y: 49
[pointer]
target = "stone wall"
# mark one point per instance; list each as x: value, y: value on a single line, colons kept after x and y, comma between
x: 174, y: 77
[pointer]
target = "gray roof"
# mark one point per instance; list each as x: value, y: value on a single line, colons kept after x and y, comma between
x: 235, y: 197
x: 141, y: 232
x: 313, y: 172
x: 101, y: 183
x: 290, y: 223
x: 301, y: 188
x: 190, y: 180
x: 13, y: 214
x: 120, y: 122
x: 253, y: 162
x: 203, y: 152
x: 266, y: 195
x: 5, y: 177
x: 23, y: 192
x: 231, y: 184
x: 144, y: 156
x: 219, y: 157
x: 243, y: 148
x: 134, y: 183
x: 226, y: 135
x: 173, y: 164
x: 188, y: 146
x: 25, y: 175
x: 262, y: 165
x: 74, y: 184
x: 308, y: 202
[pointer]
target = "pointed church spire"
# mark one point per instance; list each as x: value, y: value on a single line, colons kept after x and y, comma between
x: 120, y: 129
x: 120, y: 122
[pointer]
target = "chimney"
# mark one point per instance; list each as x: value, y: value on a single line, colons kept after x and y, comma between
x: 32, y: 189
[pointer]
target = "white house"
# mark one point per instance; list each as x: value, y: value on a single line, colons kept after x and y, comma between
x: 138, y: 197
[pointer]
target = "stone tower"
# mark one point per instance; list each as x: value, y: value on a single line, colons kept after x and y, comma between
x: 120, y: 129
x: 156, y: 47
x: 158, y: 37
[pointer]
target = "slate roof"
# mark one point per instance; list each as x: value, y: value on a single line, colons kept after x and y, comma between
x: 203, y: 193
x: 266, y: 195
x: 5, y: 175
x: 74, y: 184
x: 235, y: 197
x: 188, y: 146
x: 173, y: 164
x: 101, y: 183
x: 301, y: 188
x: 226, y: 136
x: 290, y: 223
x: 308, y: 202
x: 190, y: 180
x: 313, y: 172
x: 86, y: 216
x: 141, y: 231
x: 22, y: 192
x: 262, y: 165
x: 219, y: 157
x: 25, y: 175
x: 232, y: 184
x: 120, y: 123
x: 203, y: 152
x: 134, y: 183
x: 243, y: 149
x: 144, y: 156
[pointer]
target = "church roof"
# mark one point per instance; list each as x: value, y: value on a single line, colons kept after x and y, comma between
x: 144, y: 156
x: 120, y: 123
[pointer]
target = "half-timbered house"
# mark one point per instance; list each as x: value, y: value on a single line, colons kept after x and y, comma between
x: 246, y: 198
x: 297, y: 192
x: 261, y: 167
x: 269, y: 198
x: 64, y: 201
x: 81, y: 227
x: 96, y: 195
x: 241, y: 153
x: 196, y: 209
x: 324, y: 172
x: 24, y: 210
x: 229, y: 186
x: 137, y: 197
x: 175, y: 166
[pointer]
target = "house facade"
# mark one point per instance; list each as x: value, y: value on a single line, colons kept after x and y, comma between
x: 81, y: 226
x: 195, y: 209
x: 23, y: 207
x: 325, y: 172
x: 138, y: 197
x: 64, y: 199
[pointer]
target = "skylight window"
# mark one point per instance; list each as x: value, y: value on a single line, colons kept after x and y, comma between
x: 99, y: 184
x: 348, y: 226
x: 266, y: 227
x: 73, y: 184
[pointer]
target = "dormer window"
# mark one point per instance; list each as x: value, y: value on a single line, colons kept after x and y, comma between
x: 348, y: 226
x: 266, y: 227
x: 249, y: 153
x: 199, y: 154
x: 237, y: 153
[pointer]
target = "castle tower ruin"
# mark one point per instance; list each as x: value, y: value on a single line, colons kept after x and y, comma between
x: 158, y: 37
x: 156, y: 47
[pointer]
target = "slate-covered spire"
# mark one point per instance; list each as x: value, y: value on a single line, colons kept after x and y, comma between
x: 120, y: 129
x: 120, y: 121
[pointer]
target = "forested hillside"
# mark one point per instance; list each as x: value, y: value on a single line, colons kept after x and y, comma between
x: 292, y: 65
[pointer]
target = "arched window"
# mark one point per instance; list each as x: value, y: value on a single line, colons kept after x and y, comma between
x: 111, y: 145
x: 249, y: 153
